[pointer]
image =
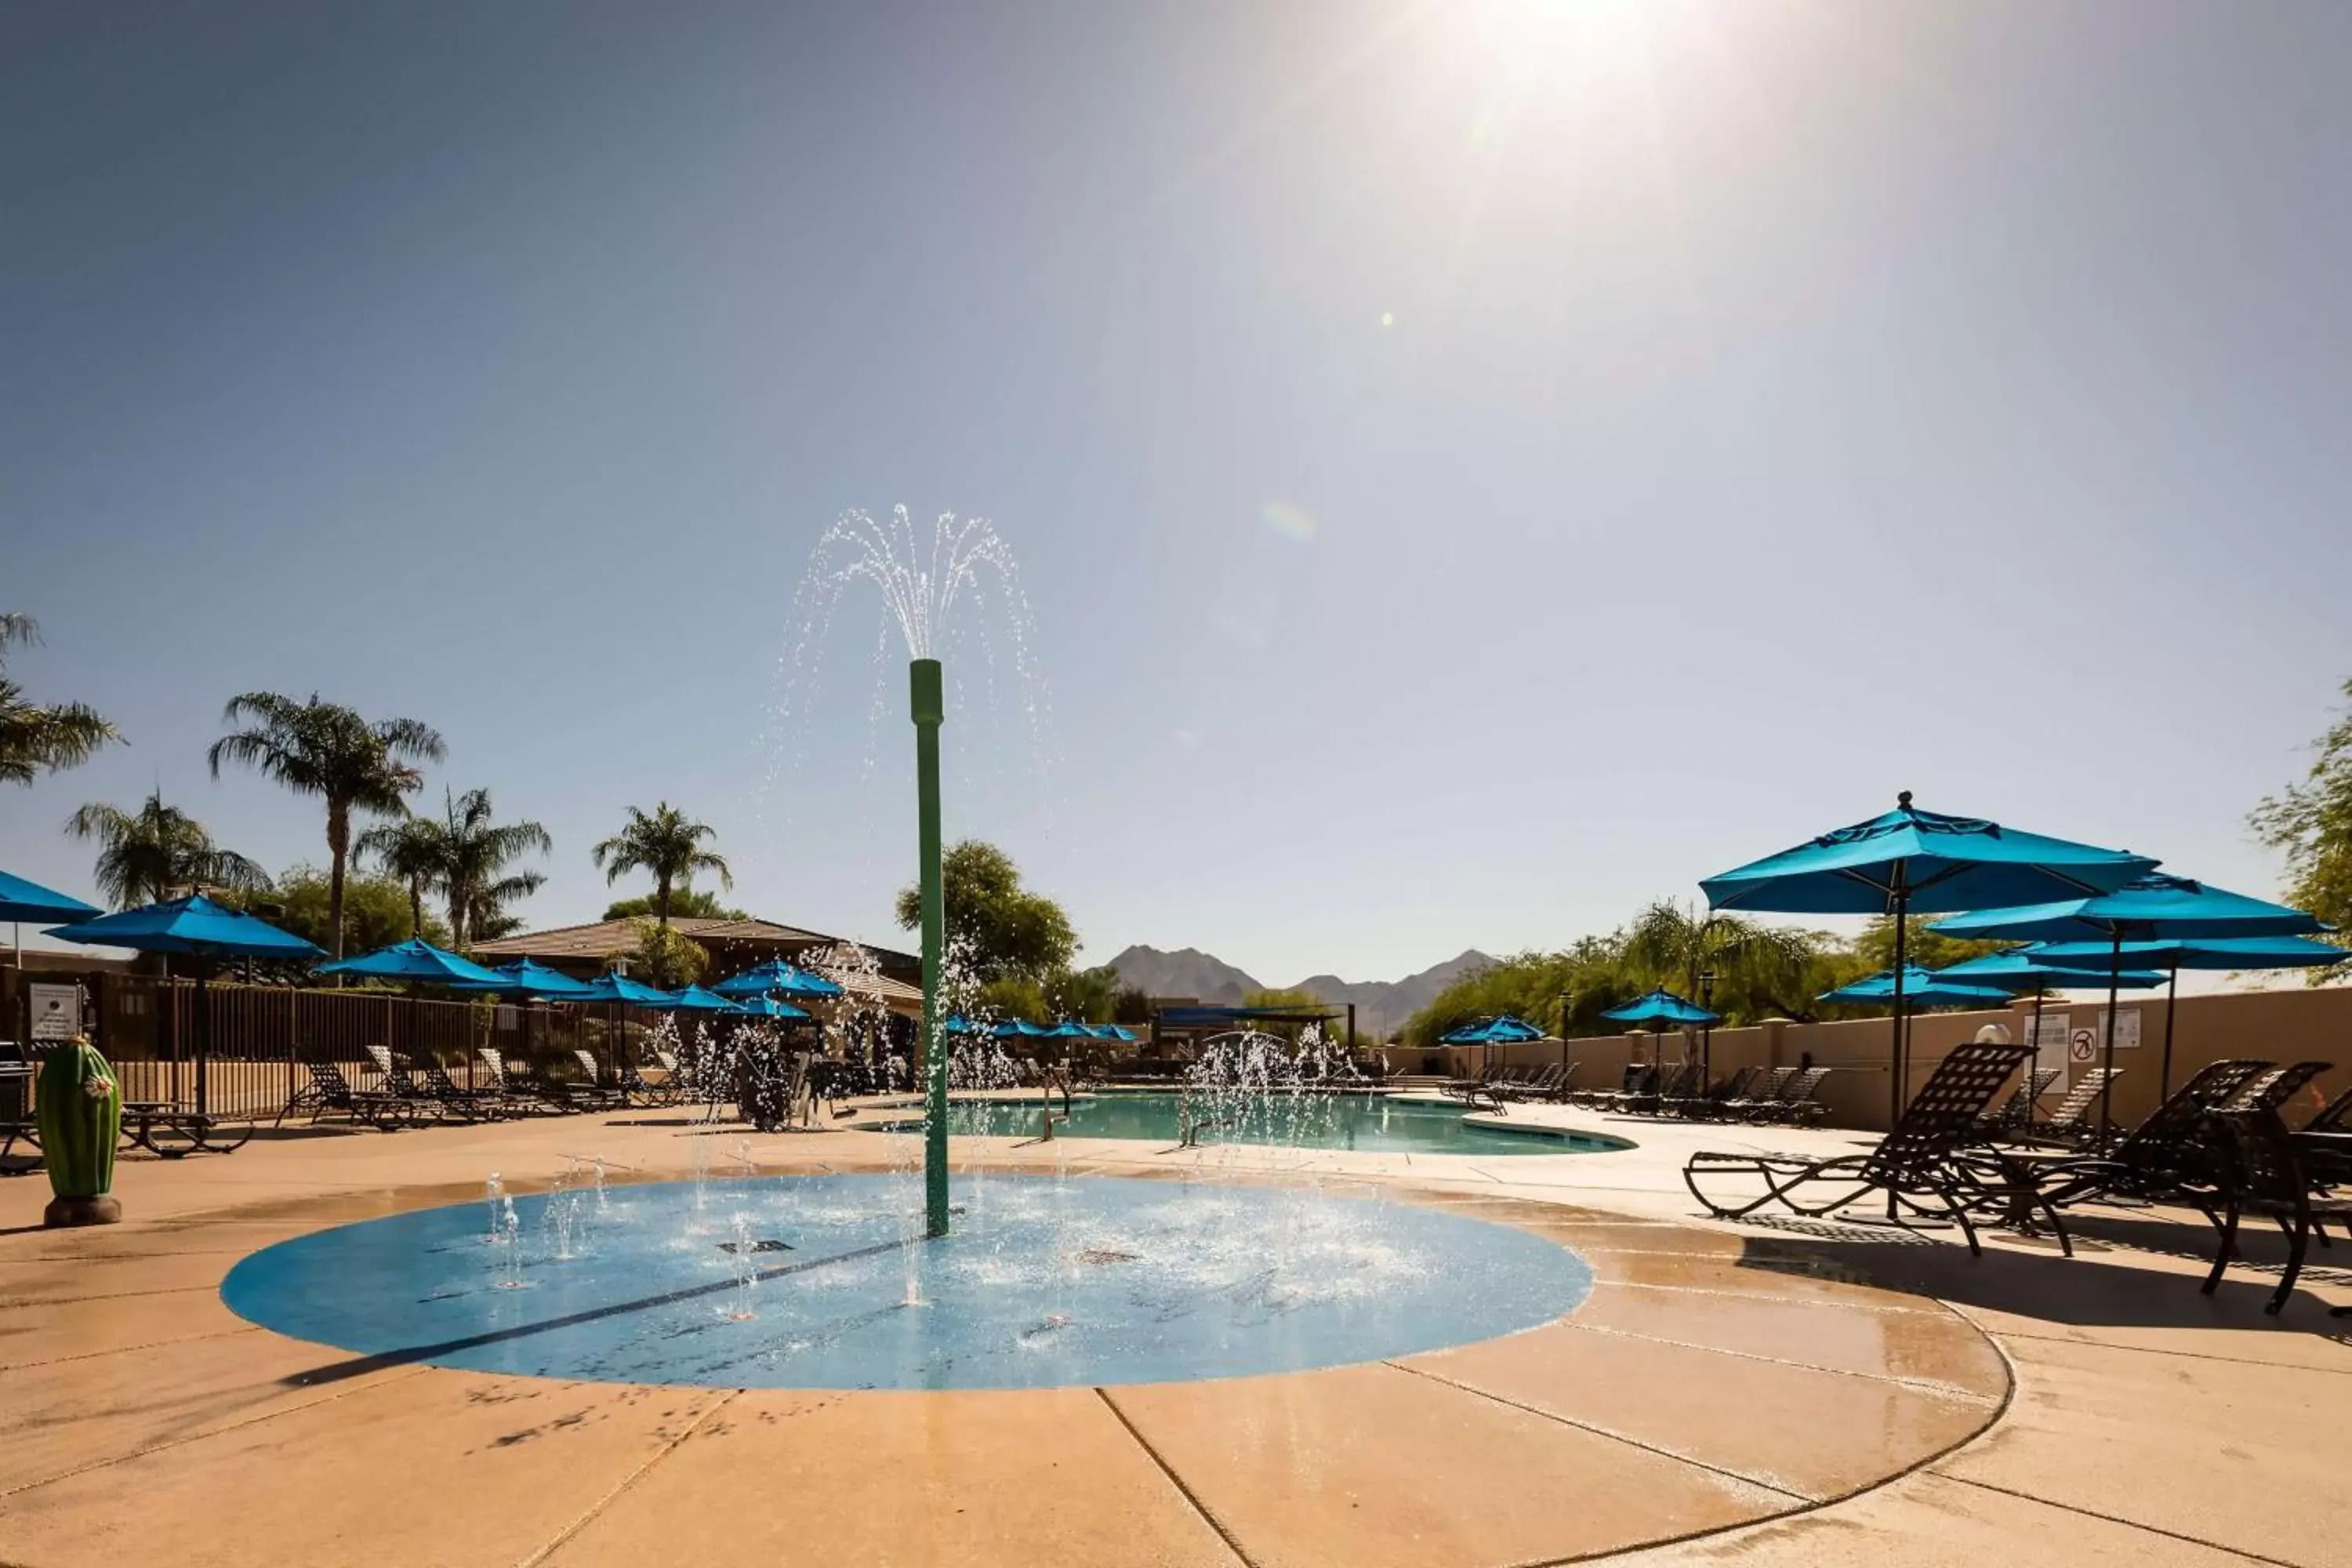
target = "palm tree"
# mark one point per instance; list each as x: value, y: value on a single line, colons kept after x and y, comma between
x: 143, y: 855
x: 35, y: 740
x: 411, y: 848
x: 328, y: 750
x: 1760, y: 965
x: 474, y: 852
x: 667, y: 845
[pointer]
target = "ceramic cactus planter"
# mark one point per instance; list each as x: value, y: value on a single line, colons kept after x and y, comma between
x: 79, y: 1105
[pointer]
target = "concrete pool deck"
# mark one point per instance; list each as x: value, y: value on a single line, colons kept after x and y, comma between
x: 1767, y: 1395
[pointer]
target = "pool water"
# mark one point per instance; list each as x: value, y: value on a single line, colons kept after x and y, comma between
x: 1362, y: 1122
x: 807, y: 1281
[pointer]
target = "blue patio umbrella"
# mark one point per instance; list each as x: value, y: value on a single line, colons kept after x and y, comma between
x: 22, y: 900
x: 1488, y: 1033
x: 1017, y: 1029
x: 2027, y: 968
x: 695, y: 999
x: 524, y: 977
x: 1663, y: 1006
x: 778, y: 978
x: 1119, y: 1032
x: 414, y: 959
x: 1920, y: 988
x: 768, y: 1008
x: 1911, y: 861
x: 957, y: 1024
x: 193, y: 927
x: 615, y: 987
x: 2177, y: 953
x: 2152, y: 906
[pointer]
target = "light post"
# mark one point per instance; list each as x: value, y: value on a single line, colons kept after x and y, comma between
x: 1705, y: 1031
x: 929, y: 708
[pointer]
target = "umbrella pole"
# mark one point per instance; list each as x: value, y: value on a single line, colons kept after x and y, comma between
x: 1894, y: 1064
x: 2114, y: 989
x: 2172, y: 995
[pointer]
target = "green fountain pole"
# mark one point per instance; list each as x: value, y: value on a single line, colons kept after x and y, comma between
x: 929, y: 707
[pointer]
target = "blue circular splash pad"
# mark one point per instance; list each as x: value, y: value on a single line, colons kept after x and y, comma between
x: 822, y: 1282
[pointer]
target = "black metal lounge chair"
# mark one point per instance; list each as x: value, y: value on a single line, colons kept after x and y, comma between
x: 1914, y: 1167
x: 433, y: 1081
x: 1798, y: 1101
x: 2168, y: 1159
x: 594, y: 1088
x: 330, y: 1093
x: 1651, y: 1098
x: 518, y: 1096
x: 2075, y: 1122
x: 2261, y: 1174
x: 1539, y: 1087
x: 1763, y: 1091
x: 2019, y: 1111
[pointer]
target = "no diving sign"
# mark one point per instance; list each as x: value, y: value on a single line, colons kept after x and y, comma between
x: 2082, y: 1046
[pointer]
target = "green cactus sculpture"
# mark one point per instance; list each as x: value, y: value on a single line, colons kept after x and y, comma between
x: 78, y: 1104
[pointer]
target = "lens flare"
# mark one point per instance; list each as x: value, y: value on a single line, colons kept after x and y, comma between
x: 1294, y: 523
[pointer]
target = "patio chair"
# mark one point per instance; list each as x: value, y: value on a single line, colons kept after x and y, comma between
x: 2076, y: 1120
x: 593, y: 1088
x: 330, y: 1093
x: 1539, y: 1087
x: 400, y: 1082
x: 1914, y: 1166
x: 2169, y: 1158
x: 1639, y: 1079
x: 1651, y: 1098
x: 2263, y: 1176
x: 1798, y: 1101
x: 2017, y: 1114
x: 1706, y: 1104
x: 1764, y: 1091
x: 468, y: 1104
x: 517, y: 1095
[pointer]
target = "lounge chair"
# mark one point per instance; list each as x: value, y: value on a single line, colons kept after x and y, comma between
x: 2168, y: 1159
x: 1914, y: 1167
x: 1651, y: 1098
x: 1799, y: 1099
x: 2263, y: 1176
x: 1539, y: 1087
x: 2076, y: 1122
x: 2020, y: 1110
x: 1764, y: 1091
x: 593, y: 1088
x: 330, y: 1093
x: 1706, y: 1104
x: 433, y: 1081
x: 516, y: 1094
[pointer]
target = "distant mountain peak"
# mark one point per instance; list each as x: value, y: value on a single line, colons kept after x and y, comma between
x: 1381, y: 1005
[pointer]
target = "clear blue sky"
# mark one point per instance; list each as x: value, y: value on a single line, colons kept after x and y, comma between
x: 1476, y: 467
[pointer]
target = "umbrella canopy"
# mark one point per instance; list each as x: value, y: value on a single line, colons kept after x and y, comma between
x: 2150, y: 907
x: 524, y: 977
x: 199, y: 928
x: 957, y: 1024
x: 1926, y: 862
x: 1017, y: 1029
x: 414, y: 958
x: 1119, y: 1032
x: 695, y: 999
x: 1912, y: 861
x: 2033, y: 969
x: 614, y: 987
x: 2202, y: 952
x: 1663, y: 1006
x: 22, y: 900
x: 2177, y: 953
x: 768, y: 1008
x: 1921, y: 988
x: 776, y: 978
x: 1069, y: 1029
x: 195, y: 926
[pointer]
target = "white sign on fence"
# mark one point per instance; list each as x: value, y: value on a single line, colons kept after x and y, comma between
x: 2047, y: 1036
x: 2127, y: 1028
x: 56, y: 1011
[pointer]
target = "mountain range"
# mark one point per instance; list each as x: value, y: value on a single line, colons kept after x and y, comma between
x: 1381, y: 1005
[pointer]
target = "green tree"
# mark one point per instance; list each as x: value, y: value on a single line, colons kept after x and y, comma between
x: 34, y: 739
x: 327, y: 749
x: 998, y: 927
x: 685, y: 904
x: 1875, y: 948
x: 667, y: 846
x: 142, y: 855
x: 476, y: 851
x: 2311, y: 822
x: 1089, y: 996
x: 666, y: 958
x: 377, y: 909
x: 409, y: 849
x: 1758, y: 968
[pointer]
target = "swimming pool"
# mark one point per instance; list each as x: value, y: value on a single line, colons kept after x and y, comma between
x: 820, y: 1281
x: 1371, y: 1124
